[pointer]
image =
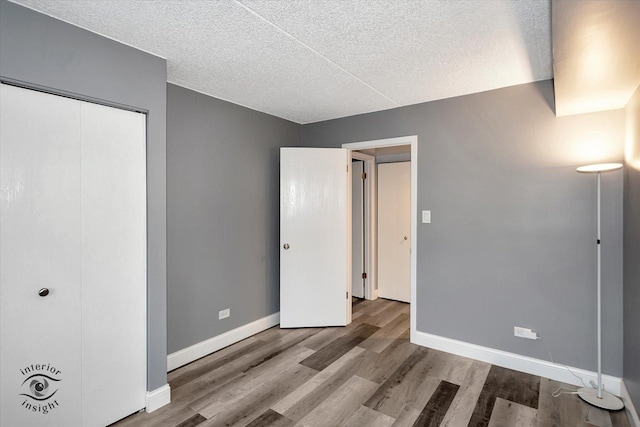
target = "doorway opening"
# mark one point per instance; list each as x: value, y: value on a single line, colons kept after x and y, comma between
x: 368, y: 155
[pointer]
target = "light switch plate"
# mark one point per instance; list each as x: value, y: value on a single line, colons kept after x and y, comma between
x: 426, y: 217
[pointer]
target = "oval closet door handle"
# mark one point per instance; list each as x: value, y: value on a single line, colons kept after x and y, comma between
x: 43, y: 292
x: 286, y: 246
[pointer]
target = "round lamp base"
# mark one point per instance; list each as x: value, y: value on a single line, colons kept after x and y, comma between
x: 608, y: 400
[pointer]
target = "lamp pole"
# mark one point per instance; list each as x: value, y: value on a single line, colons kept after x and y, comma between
x: 599, y: 397
x: 599, y: 245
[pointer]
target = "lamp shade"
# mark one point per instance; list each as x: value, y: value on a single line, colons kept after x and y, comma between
x: 600, y: 167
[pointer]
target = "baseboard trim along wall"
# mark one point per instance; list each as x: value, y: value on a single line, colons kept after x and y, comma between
x: 517, y: 362
x: 201, y: 349
x: 628, y: 404
x: 159, y: 397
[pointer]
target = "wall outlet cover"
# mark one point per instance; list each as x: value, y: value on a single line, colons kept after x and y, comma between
x: 223, y: 314
x: 524, y: 333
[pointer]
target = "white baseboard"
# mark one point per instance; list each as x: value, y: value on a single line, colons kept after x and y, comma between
x: 632, y: 414
x: 196, y: 351
x: 517, y: 362
x: 159, y: 397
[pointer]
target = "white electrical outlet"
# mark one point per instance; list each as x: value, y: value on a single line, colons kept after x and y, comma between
x: 524, y: 333
x: 223, y: 314
x: 426, y: 217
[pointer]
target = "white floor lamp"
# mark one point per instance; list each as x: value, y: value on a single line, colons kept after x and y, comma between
x: 598, y: 397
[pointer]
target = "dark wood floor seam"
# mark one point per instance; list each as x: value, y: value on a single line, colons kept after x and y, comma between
x: 271, y: 418
x: 507, y: 384
x: 435, y: 410
x: 339, y: 347
x: 193, y: 421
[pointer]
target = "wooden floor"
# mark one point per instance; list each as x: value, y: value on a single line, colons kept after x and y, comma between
x: 365, y: 374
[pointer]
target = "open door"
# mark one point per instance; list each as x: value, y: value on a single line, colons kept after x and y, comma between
x: 315, y: 237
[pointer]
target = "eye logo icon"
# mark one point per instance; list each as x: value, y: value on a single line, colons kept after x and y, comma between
x: 40, y: 387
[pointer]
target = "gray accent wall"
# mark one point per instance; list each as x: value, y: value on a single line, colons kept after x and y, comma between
x: 512, y: 238
x: 41, y: 51
x: 632, y: 251
x: 222, y: 214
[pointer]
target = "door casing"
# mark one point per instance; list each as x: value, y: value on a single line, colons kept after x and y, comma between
x: 412, y: 141
x: 369, y: 166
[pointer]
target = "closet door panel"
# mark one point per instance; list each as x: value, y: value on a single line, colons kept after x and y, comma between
x: 114, y: 263
x: 394, y: 231
x: 40, y: 244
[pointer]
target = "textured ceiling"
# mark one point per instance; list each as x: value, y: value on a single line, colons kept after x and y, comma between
x: 313, y: 60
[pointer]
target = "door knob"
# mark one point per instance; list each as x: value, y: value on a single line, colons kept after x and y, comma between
x: 43, y: 292
x: 406, y: 238
x: 286, y: 246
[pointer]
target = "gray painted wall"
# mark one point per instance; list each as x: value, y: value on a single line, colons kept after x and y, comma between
x: 632, y: 252
x: 42, y: 51
x: 513, y: 225
x: 222, y: 214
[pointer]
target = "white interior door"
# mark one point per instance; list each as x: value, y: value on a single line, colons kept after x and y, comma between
x: 357, y: 229
x: 394, y: 231
x: 315, y: 237
x: 73, y: 222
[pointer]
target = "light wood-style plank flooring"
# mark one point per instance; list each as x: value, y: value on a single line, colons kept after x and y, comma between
x: 365, y: 374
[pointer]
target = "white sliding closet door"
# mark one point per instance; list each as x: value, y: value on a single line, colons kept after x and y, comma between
x: 73, y: 224
x: 114, y: 264
x: 40, y: 244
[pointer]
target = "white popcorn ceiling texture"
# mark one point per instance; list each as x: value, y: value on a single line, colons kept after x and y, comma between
x: 313, y: 60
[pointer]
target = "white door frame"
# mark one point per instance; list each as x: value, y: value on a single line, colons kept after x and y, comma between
x: 370, y: 251
x: 411, y: 140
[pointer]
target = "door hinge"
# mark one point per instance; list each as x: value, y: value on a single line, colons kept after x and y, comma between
x: 364, y: 175
x: 347, y: 168
x: 364, y: 275
x: 347, y: 294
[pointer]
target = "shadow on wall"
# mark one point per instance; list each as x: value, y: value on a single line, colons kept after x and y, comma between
x: 534, y: 44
